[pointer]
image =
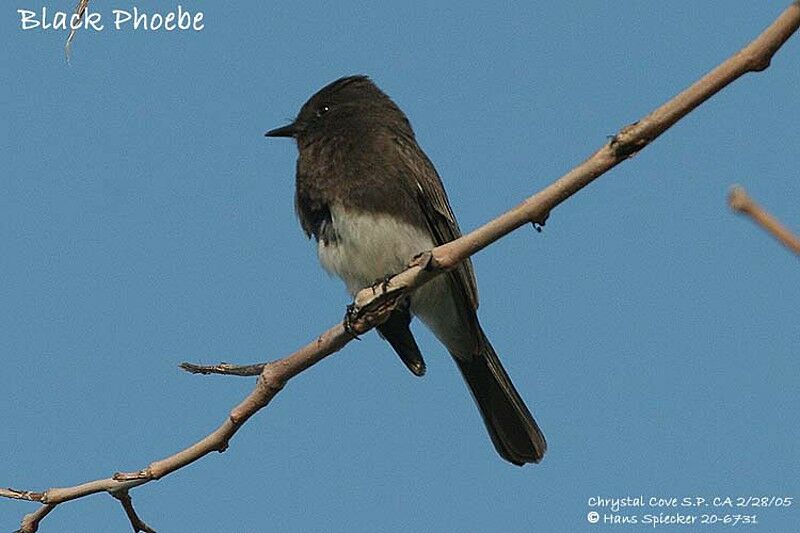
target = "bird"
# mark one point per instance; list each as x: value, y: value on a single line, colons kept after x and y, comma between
x: 371, y: 198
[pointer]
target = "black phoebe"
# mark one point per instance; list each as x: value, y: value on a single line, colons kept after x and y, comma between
x: 372, y: 200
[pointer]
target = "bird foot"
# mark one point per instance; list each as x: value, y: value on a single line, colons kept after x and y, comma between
x: 350, y: 315
x: 383, y: 283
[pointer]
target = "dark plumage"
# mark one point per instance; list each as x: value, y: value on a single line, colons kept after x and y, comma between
x: 372, y: 200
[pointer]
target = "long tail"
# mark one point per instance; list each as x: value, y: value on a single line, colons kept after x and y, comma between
x: 514, y: 432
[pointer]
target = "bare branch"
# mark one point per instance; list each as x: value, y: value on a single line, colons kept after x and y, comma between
x: 127, y: 504
x: 15, y: 494
x: 740, y: 202
x: 30, y: 522
x: 370, y: 309
x: 80, y: 11
x: 224, y: 368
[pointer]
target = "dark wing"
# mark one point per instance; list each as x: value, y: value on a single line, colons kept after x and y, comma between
x: 434, y: 204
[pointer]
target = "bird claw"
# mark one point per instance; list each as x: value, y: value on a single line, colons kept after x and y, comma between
x: 383, y: 283
x: 349, y: 316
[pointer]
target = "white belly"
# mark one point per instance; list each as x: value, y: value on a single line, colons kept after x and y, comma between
x: 370, y: 247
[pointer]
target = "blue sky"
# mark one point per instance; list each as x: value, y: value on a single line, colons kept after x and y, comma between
x: 145, y: 220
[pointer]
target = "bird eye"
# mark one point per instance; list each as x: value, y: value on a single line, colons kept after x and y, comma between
x: 322, y: 110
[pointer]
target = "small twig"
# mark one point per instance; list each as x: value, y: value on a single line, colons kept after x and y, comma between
x: 80, y: 11
x: 15, y: 494
x: 740, y: 202
x: 30, y: 522
x: 127, y: 504
x: 224, y: 368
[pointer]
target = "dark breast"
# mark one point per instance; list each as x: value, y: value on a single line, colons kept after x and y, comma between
x: 361, y: 173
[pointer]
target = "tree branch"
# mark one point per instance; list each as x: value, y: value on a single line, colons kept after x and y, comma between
x: 224, y: 368
x: 371, y: 308
x: 127, y: 505
x: 30, y: 522
x: 80, y: 11
x: 740, y: 202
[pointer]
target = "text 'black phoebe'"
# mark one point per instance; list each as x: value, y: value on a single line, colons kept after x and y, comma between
x: 371, y: 198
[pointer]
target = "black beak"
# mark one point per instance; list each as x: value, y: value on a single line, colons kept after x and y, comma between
x: 290, y: 130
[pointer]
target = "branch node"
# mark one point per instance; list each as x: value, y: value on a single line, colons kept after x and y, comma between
x: 237, y: 420
x: 763, y: 64
x: 628, y: 142
x: 144, y: 474
x: 539, y: 223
